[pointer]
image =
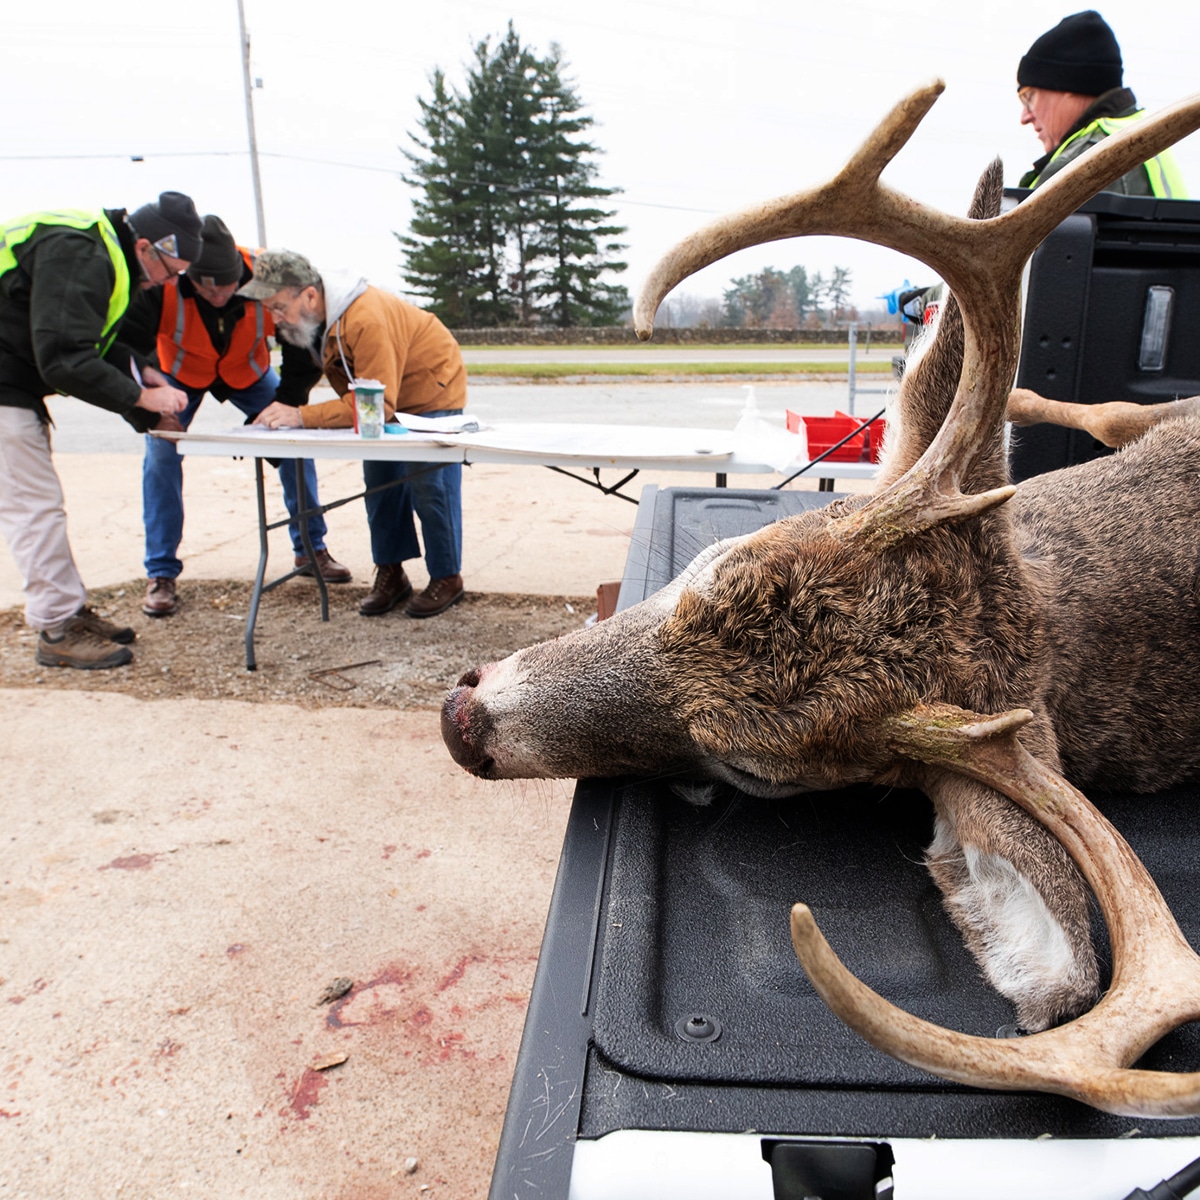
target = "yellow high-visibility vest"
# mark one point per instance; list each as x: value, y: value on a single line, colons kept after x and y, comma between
x: 1166, y: 179
x: 13, y: 233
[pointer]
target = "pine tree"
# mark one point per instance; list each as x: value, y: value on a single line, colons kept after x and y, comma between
x: 508, y: 228
x: 571, y: 226
x: 443, y: 259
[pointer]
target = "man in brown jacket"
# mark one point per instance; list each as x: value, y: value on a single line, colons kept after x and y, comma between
x: 354, y: 331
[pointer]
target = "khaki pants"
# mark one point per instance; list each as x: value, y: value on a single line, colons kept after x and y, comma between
x: 34, y: 521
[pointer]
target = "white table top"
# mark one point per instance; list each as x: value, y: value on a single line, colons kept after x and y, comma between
x: 641, y: 447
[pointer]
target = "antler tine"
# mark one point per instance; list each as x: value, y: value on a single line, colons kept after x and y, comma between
x: 889, y: 137
x: 1156, y: 975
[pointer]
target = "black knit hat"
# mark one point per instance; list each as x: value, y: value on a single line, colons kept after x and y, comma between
x: 1080, y: 54
x: 220, y: 262
x: 172, y: 215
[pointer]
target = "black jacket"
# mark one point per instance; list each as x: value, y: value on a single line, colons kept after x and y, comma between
x: 53, y: 307
x: 140, y: 330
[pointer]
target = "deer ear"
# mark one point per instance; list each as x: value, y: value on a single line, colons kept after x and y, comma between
x: 989, y: 192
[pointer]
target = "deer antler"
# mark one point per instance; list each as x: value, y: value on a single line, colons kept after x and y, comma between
x: 1156, y: 975
x: 980, y: 260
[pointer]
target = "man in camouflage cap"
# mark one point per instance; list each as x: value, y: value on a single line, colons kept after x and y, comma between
x: 354, y: 331
x: 275, y: 270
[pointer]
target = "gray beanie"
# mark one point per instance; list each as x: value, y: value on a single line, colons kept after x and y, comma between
x: 172, y: 215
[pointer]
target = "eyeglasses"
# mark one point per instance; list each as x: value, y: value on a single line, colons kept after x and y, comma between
x: 161, y: 256
x: 278, y: 310
x: 1027, y: 95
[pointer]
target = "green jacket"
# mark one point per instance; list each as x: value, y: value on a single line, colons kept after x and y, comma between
x: 57, y: 315
x: 1159, y: 177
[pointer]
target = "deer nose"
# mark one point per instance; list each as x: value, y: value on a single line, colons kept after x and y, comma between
x: 462, y: 730
x: 454, y: 723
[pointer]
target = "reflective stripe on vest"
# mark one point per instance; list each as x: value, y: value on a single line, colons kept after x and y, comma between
x: 184, y: 342
x: 14, y: 233
x: 1166, y: 179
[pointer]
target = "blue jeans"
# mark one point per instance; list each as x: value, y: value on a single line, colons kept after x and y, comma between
x: 436, y: 495
x: 162, y: 484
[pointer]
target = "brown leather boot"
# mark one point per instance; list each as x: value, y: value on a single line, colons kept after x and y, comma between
x: 80, y: 649
x: 390, y: 588
x: 160, y: 599
x: 331, y: 570
x: 438, y: 595
x: 90, y: 621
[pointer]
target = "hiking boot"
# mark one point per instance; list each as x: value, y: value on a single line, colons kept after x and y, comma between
x: 81, y: 649
x: 90, y: 621
x: 391, y: 586
x: 439, y: 595
x: 331, y: 570
x: 160, y: 599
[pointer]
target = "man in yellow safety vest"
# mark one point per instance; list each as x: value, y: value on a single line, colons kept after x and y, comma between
x: 65, y: 283
x: 1071, y: 92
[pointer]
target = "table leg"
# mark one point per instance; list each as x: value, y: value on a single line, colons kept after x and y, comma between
x: 302, y: 515
x: 256, y: 594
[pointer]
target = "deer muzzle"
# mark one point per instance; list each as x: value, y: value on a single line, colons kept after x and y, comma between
x: 466, y: 728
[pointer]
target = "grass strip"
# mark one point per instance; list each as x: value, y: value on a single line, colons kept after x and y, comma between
x: 631, y: 345
x: 563, y: 370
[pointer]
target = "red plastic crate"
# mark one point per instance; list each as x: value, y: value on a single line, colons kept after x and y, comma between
x: 874, y: 436
x: 823, y: 432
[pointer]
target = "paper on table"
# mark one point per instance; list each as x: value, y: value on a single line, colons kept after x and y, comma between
x: 600, y: 444
x: 459, y: 423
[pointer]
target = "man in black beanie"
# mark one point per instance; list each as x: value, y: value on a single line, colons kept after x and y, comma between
x: 1070, y: 88
x: 209, y: 339
x: 66, y: 281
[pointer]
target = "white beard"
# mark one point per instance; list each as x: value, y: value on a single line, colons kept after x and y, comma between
x: 301, y: 332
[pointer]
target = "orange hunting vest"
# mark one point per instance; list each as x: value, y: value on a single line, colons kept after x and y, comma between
x: 186, y: 352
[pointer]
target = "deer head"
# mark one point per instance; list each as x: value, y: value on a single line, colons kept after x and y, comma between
x: 834, y: 647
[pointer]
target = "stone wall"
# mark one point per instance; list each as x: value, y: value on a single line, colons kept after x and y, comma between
x: 621, y: 335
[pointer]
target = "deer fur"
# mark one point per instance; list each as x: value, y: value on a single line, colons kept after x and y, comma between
x: 774, y: 660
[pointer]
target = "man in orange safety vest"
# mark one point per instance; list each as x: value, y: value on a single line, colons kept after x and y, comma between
x: 209, y: 339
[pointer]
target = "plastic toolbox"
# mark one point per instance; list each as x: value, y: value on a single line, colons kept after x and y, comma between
x: 1111, y: 313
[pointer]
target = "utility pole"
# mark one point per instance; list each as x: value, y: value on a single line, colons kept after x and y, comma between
x: 258, y: 197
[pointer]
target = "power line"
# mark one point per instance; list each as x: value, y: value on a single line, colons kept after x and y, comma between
x: 130, y: 157
x: 325, y: 162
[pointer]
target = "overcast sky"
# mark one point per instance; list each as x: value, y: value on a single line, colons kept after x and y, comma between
x: 701, y: 108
